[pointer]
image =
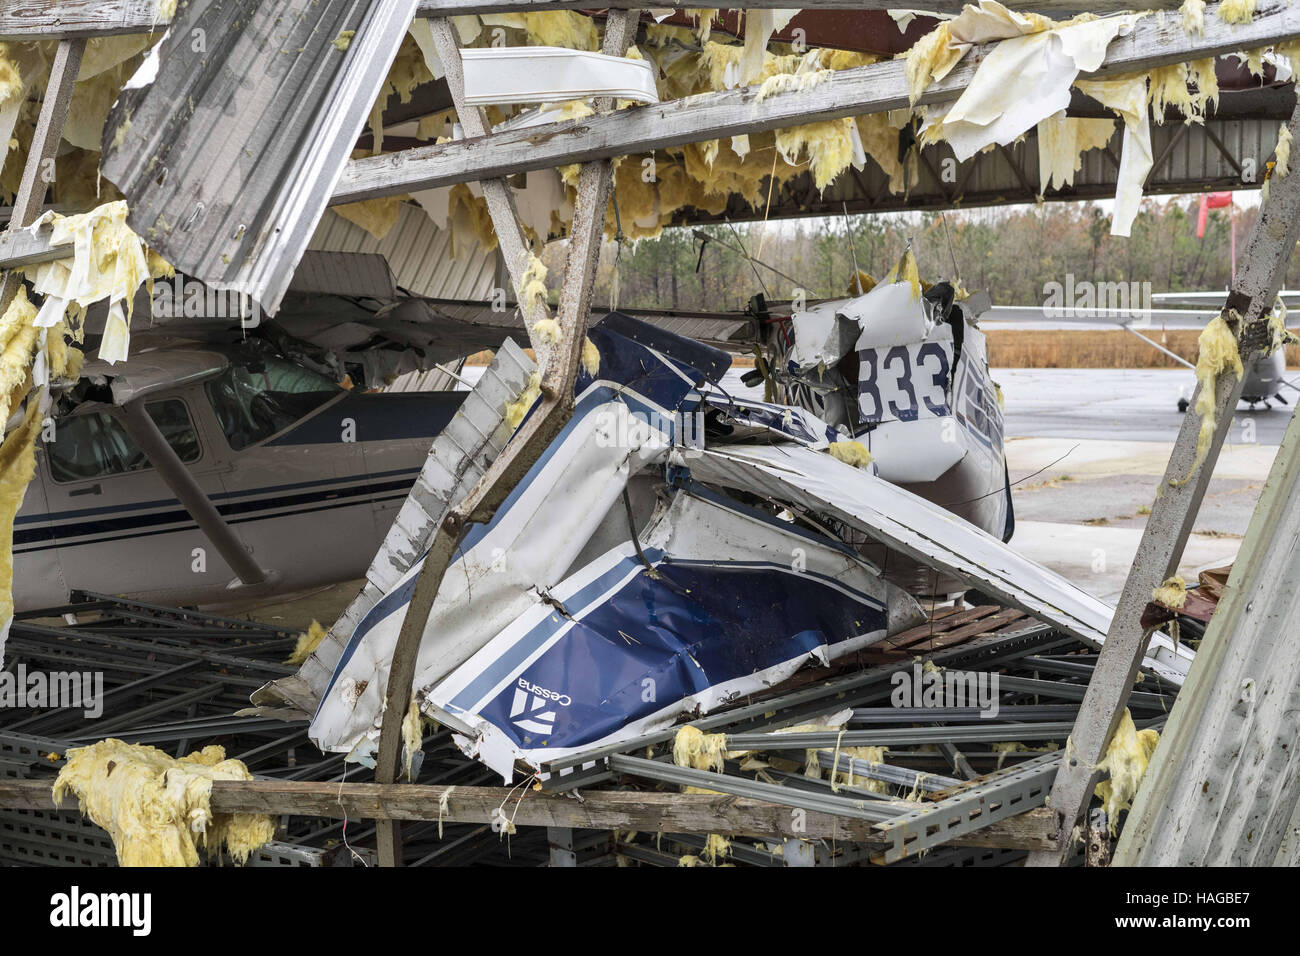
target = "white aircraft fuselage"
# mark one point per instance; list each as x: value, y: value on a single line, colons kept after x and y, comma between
x: 307, y: 477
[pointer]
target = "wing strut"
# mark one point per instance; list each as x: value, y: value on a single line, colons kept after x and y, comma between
x: 1157, y: 346
x: 144, y: 432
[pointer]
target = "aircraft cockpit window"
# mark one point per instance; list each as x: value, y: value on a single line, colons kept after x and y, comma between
x: 259, y: 396
x: 95, y: 445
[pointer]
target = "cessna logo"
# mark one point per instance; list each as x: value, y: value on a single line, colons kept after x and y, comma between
x: 533, y: 708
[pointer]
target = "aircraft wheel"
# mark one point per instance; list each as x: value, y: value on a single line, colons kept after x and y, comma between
x: 1182, y: 405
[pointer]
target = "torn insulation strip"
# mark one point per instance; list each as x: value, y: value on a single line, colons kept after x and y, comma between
x: 694, y: 748
x: 412, y: 739
x: 905, y: 270
x: 1126, y: 761
x: 17, y: 467
x: 308, y: 641
x: 1216, y: 353
x: 18, y: 344
x: 1237, y: 11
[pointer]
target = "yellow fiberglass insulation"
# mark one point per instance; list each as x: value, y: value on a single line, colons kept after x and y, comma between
x: 109, y: 261
x: 158, y: 808
x: 375, y: 216
x: 532, y: 287
x: 828, y: 147
x: 1237, y: 11
x: 704, y: 21
x: 11, y: 80
x: 930, y: 58
x: 409, y: 70
x: 1283, y: 152
x: 850, y: 452
x: 694, y: 748
x: 716, y: 846
x: 1062, y: 141
x: 906, y: 271
x: 308, y: 641
x: 1171, y: 86
x: 468, y: 216
x: 562, y: 28
x: 1126, y: 759
x: 847, y: 776
x: 861, y: 284
x: 517, y: 409
x: 792, y: 82
x: 590, y: 357
x: 412, y: 738
x: 1172, y: 593
x: 18, y: 343
x: 546, y: 332
x: 1217, y: 353
x: 17, y: 466
x: 1193, y: 14
x: 880, y: 141
x: 703, y: 176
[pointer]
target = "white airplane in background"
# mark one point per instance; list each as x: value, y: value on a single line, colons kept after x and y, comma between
x: 1262, y: 380
x: 214, y: 474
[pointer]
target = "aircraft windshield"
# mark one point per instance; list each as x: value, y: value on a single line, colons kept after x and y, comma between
x: 258, y: 396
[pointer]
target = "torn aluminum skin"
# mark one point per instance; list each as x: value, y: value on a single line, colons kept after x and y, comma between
x: 908, y: 377
x: 729, y: 601
x: 544, y: 74
x: 926, y: 533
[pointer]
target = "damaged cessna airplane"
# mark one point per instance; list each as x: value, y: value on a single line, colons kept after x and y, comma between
x: 676, y: 548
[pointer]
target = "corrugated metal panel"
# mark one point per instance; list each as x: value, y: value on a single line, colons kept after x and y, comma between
x: 418, y: 252
x: 1193, y: 164
x: 230, y: 138
x: 344, y: 273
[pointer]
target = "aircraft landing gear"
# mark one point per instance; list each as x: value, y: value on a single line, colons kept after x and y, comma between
x: 1182, y: 405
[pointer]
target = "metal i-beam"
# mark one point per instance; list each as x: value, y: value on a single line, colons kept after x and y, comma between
x: 868, y: 89
x: 1174, y: 511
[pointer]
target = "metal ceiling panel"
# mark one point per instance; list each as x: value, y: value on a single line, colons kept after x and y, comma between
x: 229, y: 139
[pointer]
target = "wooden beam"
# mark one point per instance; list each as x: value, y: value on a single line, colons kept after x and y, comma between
x: 63, y: 19
x: 869, y: 89
x: 1268, y: 253
x: 559, y: 376
x: 647, y: 811
x: 30, y: 197
x: 496, y: 192
x: 49, y: 19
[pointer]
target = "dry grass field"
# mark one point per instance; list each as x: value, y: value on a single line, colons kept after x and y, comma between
x: 1069, y: 348
x: 1075, y: 348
